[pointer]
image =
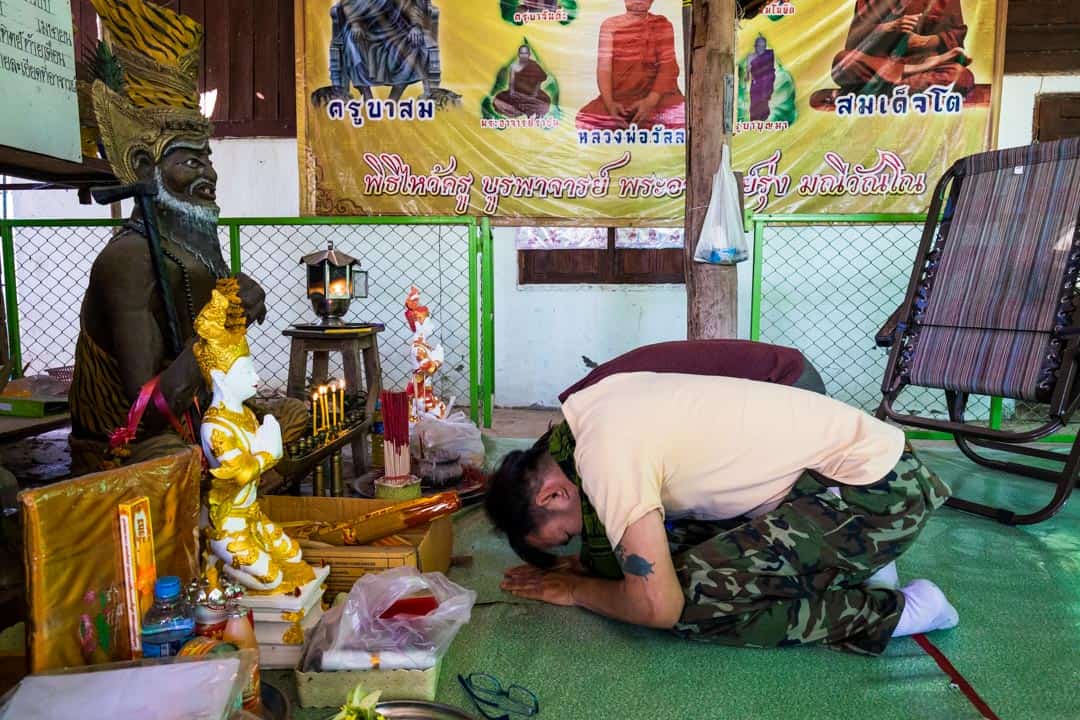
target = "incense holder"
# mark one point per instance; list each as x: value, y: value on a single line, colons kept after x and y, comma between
x: 439, y: 470
x: 406, y: 488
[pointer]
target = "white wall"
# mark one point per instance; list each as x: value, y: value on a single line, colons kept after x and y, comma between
x: 257, y: 178
x: 542, y: 331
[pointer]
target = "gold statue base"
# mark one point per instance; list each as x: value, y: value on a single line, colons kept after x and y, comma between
x: 295, y: 601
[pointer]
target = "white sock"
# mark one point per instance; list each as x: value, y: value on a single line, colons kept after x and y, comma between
x: 926, y: 609
x: 886, y: 577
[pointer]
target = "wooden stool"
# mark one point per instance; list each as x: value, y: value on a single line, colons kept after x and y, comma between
x: 357, y: 344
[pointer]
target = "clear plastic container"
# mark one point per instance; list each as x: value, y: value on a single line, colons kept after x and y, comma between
x: 169, y: 624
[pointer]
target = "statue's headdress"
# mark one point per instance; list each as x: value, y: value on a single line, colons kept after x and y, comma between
x: 222, y: 330
x: 158, y: 51
x: 415, y: 313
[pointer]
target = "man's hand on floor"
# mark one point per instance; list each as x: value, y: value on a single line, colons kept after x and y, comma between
x: 551, y: 586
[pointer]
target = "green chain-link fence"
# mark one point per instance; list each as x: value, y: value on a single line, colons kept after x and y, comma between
x: 433, y: 258
x: 50, y: 266
x: 826, y: 285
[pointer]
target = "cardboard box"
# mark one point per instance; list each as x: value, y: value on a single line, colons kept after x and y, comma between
x: 429, y: 546
x: 330, y: 689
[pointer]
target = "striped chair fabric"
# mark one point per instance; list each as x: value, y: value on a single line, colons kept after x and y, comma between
x: 1002, y: 290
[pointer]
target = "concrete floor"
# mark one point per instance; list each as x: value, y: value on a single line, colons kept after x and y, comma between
x: 521, y: 422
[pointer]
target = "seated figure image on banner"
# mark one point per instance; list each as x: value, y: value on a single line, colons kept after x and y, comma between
x: 766, y: 89
x: 523, y: 88
x: 513, y: 10
x: 912, y: 43
x: 384, y: 43
x: 637, y: 72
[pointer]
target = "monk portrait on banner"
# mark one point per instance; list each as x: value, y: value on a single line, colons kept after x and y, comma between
x: 384, y: 43
x: 523, y: 97
x: 637, y: 72
x: 917, y: 43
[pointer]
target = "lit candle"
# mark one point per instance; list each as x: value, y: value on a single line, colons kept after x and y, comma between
x: 341, y: 396
x: 333, y: 404
x: 315, y: 413
x: 325, y: 416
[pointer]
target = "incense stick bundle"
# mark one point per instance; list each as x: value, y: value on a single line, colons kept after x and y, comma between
x: 395, y: 410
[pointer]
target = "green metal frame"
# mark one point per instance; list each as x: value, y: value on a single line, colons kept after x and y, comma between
x: 758, y: 223
x: 11, y: 299
x: 481, y: 283
x: 474, y: 325
x: 487, y: 306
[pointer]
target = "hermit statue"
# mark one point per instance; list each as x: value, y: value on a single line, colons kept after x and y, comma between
x: 250, y: 549
x: 137, y: 320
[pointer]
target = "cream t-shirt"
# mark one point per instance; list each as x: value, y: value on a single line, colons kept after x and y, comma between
x: 712, y: 447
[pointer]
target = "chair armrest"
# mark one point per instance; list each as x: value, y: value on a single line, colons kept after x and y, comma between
x: 886, y: 336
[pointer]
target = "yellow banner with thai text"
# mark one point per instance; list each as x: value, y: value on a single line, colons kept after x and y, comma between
x: 527, y: 110
x: 859, y: 106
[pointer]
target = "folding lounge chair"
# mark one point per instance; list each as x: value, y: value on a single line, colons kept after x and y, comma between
x: 991, y: 308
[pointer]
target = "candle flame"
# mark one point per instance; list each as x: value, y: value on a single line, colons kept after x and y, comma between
x: 339, y: 289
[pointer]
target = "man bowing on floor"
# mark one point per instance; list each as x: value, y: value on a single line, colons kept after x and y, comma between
x: 704, y: 506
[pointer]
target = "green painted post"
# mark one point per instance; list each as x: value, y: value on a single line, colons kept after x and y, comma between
x: 487, y: 307
x: 11, y: 298
x: 234, y: 245
x: 474, y: 325
x: 755, y: 289
x: 995, y: 413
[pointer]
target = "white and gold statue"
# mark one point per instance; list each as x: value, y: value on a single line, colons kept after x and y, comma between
x: 247, y: 546
x: 426, y: 361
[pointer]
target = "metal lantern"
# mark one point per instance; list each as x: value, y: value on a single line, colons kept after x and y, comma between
x: 333, y: 281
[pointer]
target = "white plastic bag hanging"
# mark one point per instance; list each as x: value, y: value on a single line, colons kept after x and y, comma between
x: 722, y: 240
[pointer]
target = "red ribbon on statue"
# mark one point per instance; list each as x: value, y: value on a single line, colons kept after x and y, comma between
x: 123, y: 436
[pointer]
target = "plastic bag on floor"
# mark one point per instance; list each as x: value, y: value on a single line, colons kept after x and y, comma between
x: 356, y: 636
x: 443, y: 439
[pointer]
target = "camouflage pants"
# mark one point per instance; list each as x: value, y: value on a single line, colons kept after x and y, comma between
x: 795, y: 575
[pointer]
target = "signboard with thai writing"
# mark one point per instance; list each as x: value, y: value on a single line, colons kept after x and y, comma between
x: 524, y: 109
x: 39, y: 111
x: 854, y: 106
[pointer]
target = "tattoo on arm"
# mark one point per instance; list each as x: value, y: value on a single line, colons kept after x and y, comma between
x: 634, y: 564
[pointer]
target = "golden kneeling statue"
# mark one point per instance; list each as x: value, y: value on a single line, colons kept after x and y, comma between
x: 247, y: 546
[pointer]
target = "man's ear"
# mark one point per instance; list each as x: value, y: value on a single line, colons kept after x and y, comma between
x: 144, y: 165
x: 552, y: 491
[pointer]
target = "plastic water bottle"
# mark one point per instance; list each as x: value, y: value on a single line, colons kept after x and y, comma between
x: 168, y: 624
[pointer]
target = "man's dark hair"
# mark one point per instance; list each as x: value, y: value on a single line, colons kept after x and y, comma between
x: 510, y: 499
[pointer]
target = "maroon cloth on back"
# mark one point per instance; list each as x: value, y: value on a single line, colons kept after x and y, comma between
x: 730, y: 358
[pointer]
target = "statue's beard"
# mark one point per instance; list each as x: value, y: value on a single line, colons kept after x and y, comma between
x: 200, y: 218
